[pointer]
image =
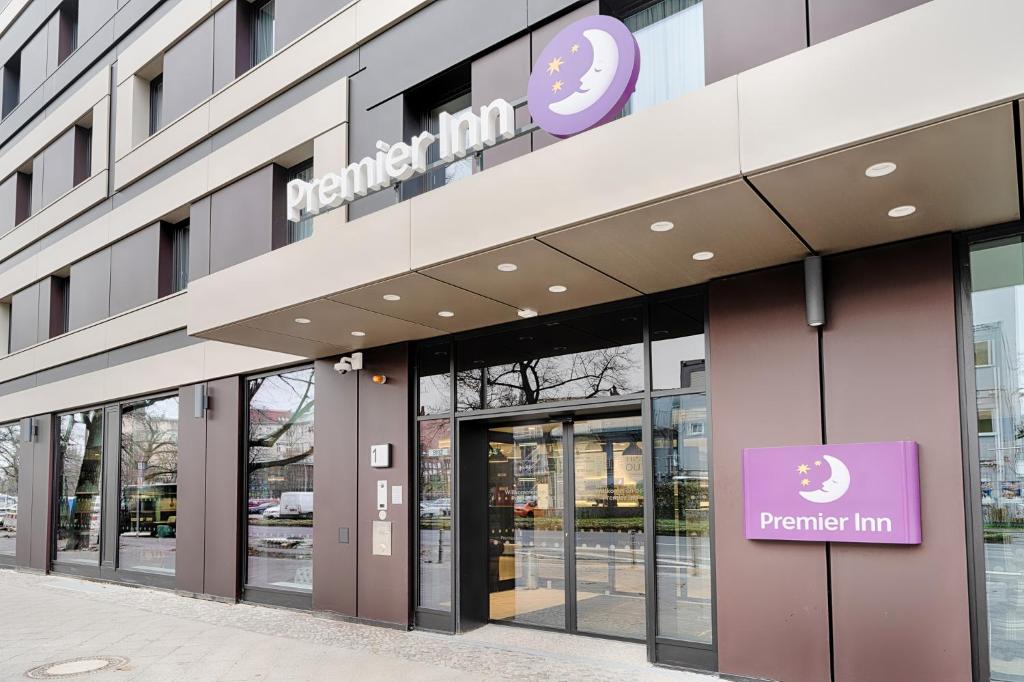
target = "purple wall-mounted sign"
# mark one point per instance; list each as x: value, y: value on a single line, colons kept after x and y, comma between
x: 584, y: 76
x: 856, y: 492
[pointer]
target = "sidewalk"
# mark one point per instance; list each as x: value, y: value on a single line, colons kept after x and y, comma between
x: 47, y: 619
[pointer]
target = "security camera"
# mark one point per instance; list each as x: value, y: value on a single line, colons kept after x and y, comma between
x: 350, y: 363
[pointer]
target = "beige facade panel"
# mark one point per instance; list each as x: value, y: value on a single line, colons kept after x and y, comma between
x: 78, y: 200
x: 676, y: 147
x: 728, y: 221
x: 958, y: 174
x: 292, y: 128
x: 56, y: 122
x: 372, y: 248
x: 914, y: 68
x: 538, y: 268
x: 163, y: 145
x: 11, y: 12
x: 373, y: 16
x: 169, y: 370
x: 422, y: 298
x: 330, y: 152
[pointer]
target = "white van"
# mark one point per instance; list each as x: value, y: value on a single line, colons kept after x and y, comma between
x: 296, y: 505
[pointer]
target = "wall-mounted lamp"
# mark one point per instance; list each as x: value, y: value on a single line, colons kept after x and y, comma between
x: 200, y: 401
x: 380, y: 379
x: 30, y: 430
x: 814, y: 291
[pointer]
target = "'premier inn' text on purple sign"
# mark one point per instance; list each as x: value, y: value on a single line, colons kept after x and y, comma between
x: 856, y: 492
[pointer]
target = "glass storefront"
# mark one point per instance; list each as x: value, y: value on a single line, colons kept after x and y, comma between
x: 80, y: 474
x: 997, y: 305
x: 10, y: 437
x: 148, y: 514
x: 435, y: 515
x: 279, y: 490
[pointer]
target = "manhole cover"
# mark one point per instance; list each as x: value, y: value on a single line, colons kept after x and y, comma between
x: 75, y: 666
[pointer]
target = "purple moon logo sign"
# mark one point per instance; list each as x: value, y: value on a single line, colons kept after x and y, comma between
x: 584, y: 76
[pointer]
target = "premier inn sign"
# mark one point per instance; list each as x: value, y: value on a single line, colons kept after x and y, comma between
x: 459, y: 135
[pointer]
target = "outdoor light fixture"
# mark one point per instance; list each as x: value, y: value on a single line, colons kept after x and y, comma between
x: 902, y: 211
x: 392, y: 297
x: 879, y: 170
x: 662, y: 226
x: 527, y: 313
x: 446, y: 313
x: 814, y: 292
x: 703, y: 255
x: 557, y: 289
x: 380, y: 379
x: 30, y: 430
x: 508, y: 267
x: 200, y: 401
x: 302, y: 320
x: 358, y: 333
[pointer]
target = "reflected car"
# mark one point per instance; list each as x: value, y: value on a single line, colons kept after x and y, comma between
x: 5, y: 514
x: 430, y: 509
x: 273, y: 512
x: 525, y: 509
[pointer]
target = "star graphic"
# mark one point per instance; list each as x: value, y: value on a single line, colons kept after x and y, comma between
x: 805, y: 481
x: 817, y: 462
x: 575, y: 48
x: 556, y: 86
x: 555, y: 65
x: 803, y: 469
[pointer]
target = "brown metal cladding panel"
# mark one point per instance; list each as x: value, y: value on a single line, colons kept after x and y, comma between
x: 504, y: 72
x: 42, y: 494
x: 134, y: 269
x: 772, y: 597
x: 190, y: 548
x: 26, y: 469
x: 742, y: 34
x: 188, y: 72
x: 90, y: 290
x: 830, y: 18
x: 384, y: 581
x: 890, y: 368
x: 335, y: 487
x: 242, y: 219
x: 223, y: 503
x: 24, y: 330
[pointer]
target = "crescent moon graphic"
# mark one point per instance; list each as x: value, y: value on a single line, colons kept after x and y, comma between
x: 596, y: 81
x: 835, y: 487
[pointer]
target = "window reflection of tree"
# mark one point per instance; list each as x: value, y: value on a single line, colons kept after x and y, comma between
x: 280, y: 438
x: 149, y: 457
x: 9, y: 437
x: 81, y: 447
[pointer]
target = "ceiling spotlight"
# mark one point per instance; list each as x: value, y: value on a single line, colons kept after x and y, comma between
x: 508, y: 267
x: 558, y: 289
x: 880, y: 169
x: 302, y: 320
x: 902, y: 211
x: 358, y: 333
x: 392, y: 297
x: 703, y: 255
x: 446, y: 313
x: 527, y: 313
x: 662, y: 226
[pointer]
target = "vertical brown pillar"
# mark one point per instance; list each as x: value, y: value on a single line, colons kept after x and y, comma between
x: 223, y: 481
x: 772, y: 609
x: 335, y: 524
x: 190, y: 549
x: 42, y: 494
x: 384, y: 415
x: 26, y: 469
x: 890, y: 371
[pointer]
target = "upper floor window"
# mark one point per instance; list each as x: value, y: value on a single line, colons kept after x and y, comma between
x: 60, y: 305
x: 67, y: 29
x: 11, y: 85
x: 303, y: 227
x: 430, y: 121
x: 179, y: 257
x: 671, y: 38
x: 261, y: 36
x: 156, y: 100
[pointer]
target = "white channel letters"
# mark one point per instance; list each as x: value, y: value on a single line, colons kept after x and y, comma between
x: 459, y: 135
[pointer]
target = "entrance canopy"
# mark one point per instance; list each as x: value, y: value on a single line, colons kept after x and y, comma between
x: 757, y: 170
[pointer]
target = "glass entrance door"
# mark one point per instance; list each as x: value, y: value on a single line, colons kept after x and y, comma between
x: 598, y: 586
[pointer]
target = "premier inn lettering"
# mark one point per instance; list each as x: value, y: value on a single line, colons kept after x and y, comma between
x: 859, y: 492
x: 459, y: 135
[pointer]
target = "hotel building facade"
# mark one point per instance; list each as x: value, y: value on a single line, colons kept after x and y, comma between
x: 519, y: 385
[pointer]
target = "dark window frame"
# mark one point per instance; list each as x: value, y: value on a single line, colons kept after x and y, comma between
x: 67, y: 30
x: 303, y: 227
x: 156, y: 99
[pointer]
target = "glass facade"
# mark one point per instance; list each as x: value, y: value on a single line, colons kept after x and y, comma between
x: 997, y: 305
x: 279, y: 490
x: 80, y: 470
x: 10, y: 440
x: 148, y: 514
x: 435, y: 514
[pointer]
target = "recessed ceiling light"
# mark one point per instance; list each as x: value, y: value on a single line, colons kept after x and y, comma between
x: 662, y: 226
x: 446, y: 313
x: 358, y: 333
x: 558, y: 289
x: 880, y: 169
x: 508, y: 267
x: 527, y: 313
x: 902, y: 211
x: 392, y: 297
x: 703, y: 255
x: 302, y: 320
